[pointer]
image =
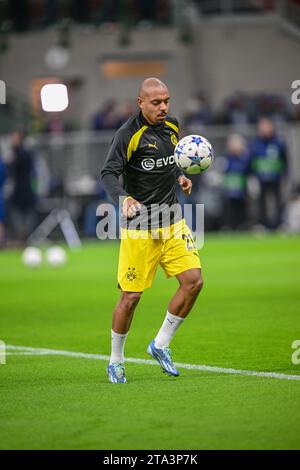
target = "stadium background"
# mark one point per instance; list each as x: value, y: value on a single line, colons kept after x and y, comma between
x: 227, y: 63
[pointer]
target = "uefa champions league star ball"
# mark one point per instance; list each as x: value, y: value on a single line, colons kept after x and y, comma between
x: 193, y: 154
x: 56, y: 256
x: 32, y: 257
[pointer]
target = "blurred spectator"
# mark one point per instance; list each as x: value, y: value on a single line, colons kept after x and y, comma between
x: 23, y: 199
x: 125, y: 110
x: 105, y: 117
x: 235, y: 168
x: 272, y: 106
x: 2, y: 204
x: 240, y: 109
x: 236, y: 110
x: 280, y: 110
x: 90, y: 218
x: 55, y: 124
x: 112, y: 115
x: 198, y: 111
x: 269, y: 164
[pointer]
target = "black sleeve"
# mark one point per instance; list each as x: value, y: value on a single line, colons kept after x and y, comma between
x: 178, y: 171
x: 114, y: 166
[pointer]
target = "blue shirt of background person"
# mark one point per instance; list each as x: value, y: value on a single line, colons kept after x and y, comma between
x: 2, y: 181
x: 235, y: 168
x: 268, y: 154
x: 23, y: 173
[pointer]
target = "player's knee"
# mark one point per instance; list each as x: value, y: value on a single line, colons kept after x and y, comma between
x: 197, y: 284
x: 194, y: 284
x: 131, y: 298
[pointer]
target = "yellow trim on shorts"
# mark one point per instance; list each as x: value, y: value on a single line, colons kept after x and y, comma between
x: 134, y: 142
x: 173, y: 126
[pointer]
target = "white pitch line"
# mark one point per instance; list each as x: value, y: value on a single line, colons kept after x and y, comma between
x: 221, y: 370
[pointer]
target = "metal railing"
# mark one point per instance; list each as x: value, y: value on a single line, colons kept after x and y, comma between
x: 72, y: 162
x: 76, y: 158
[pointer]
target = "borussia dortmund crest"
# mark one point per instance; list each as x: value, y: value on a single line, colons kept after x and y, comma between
x: 174, y: 139
x: 131, y: 274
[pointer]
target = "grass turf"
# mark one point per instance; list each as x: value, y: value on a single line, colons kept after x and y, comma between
x: 246, y: 318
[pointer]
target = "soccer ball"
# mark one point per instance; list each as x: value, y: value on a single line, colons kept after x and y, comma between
x: 32, y: 257
x: 56, y: 256
x: 193, y: 154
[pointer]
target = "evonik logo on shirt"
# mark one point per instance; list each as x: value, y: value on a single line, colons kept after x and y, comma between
x: 151, y: 163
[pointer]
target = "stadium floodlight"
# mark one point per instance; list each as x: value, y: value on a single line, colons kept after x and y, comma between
x: 54, y: 97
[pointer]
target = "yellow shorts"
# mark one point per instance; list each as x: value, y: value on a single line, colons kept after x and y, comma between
x: 141, y: 251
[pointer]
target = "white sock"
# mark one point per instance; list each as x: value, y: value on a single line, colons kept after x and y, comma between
x: 117, y: 347
x: 167, y: 331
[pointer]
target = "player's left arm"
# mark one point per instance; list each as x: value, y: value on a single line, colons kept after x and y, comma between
x: 186, y: 184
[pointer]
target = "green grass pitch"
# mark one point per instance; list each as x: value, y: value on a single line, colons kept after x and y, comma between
x: 247, y: 317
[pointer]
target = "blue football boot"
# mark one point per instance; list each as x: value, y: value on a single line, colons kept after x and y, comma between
x: 164, y: 358
x: 116, y: 372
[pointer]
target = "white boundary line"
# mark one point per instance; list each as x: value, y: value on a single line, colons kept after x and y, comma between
x: 24, y: 350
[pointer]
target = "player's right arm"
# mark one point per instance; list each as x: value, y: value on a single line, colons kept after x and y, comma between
x: 113, y: 167
x: 130, y: 207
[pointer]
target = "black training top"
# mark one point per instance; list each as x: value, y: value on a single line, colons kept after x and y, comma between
x: 144, y: 155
